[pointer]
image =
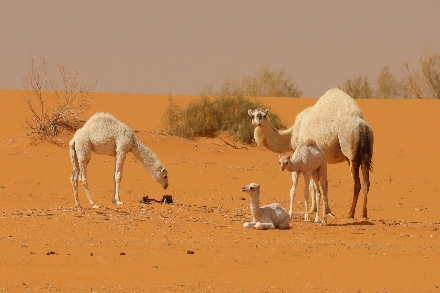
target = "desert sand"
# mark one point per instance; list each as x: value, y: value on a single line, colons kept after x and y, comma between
x: 198, y: 243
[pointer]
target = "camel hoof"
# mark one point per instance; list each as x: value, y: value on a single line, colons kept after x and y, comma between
x: 95, y: 206
x: 118, y: 202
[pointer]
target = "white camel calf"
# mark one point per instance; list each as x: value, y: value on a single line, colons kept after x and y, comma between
x: 267, y: 217
x: 105, y: 135
x: 309, y: 160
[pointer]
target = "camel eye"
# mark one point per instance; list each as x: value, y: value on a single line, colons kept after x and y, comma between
x: 165, y: 177
x: 252, y: 188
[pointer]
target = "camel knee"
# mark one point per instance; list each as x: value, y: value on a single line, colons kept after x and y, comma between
x: 118, y: 176
x: 366, y: 187
x: 83, y: 180
x: 74, y: 178
x: 357, y: 187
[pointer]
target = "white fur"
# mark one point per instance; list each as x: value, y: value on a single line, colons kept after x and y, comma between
x: 309, y: 160
x: 267, y: 217
x: 105, y: 135
x: 336, y: 124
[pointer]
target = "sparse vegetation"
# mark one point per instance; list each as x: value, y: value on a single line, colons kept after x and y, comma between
x: 263, y: 84
x: 427, y: 84
x: 358, y: 88
x: 55, y: 107
x: 225, y: 110
x: 415, y: 84
x: 388, y: 86
x: 209, y: 116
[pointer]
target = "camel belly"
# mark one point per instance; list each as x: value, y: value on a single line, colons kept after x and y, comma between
x: 106, y: 148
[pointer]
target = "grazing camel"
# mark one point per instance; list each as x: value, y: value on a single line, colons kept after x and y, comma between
x: 309, y: 160
x: 105, y: 135
x: 335, y: 122
x: 267, y: 217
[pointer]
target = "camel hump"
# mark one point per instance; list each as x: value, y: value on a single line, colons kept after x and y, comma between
x: 309, y: 142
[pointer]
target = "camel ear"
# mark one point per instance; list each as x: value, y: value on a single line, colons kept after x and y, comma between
x: 163, y: 170
x: 250, y: 112
x: 266, y: 111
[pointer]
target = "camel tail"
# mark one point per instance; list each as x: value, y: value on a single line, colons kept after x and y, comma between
x: 72, y: 153
x: 366, y: 146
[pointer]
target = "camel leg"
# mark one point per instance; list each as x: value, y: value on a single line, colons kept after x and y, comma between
x: 74, y: 181
x: 120, y: 159
x: 264, y: 226
x: 324, y: 190
x: 307, y: 177
x: 249, y: 224
x: 83, y: 177
x: 313, y: 187
x: 285, y: 223
x: 366, y: 188
x: 293, y: 191
x: 316, y: 194
x: 357, y: 186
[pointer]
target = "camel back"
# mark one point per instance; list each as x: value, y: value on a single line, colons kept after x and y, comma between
x: 337, y: 102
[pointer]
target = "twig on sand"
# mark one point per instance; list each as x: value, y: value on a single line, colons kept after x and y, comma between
x: 232, y: 144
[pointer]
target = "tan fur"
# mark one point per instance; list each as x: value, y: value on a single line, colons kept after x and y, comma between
x: 309, y: 160
x: 336, y: 124
x: 105, y: 135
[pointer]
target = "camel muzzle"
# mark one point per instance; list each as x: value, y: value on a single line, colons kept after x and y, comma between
x: 243, y: 189
x: 165, y: 186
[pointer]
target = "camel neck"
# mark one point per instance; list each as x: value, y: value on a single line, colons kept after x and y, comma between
x: 292, y: 166
x: 277, y: 141
x: 255, y: 205
x: 143, y: 154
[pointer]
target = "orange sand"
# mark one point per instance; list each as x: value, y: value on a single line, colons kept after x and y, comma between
x: 143, y: 247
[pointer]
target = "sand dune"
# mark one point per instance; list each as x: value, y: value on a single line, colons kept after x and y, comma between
x: 48, y: 246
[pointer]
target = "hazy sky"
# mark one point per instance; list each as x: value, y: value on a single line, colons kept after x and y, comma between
x: 178, y: 47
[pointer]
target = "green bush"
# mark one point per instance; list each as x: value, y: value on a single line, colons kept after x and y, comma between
x: 263, y: 84
x: 226, y: 109
x: 207, y: 117
x: 359, y: 88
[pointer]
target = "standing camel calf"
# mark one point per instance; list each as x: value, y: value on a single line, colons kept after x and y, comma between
x: 309, y: 160
x: 336, y: 123
x: 105, y: 135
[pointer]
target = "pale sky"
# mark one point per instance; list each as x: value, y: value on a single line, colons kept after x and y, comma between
x: 178, y: 47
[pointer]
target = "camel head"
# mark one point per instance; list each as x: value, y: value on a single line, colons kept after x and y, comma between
x: 259, y: 117
x: 283, y: 160
x: 162, y: 178
x: 251, y: 188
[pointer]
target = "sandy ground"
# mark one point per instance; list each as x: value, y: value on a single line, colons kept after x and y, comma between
x: 46, y: 245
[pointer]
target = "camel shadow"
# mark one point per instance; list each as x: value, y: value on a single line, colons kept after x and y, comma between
x: 359, y: 223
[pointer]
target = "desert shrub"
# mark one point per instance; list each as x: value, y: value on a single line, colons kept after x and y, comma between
x: 55, y: 107
x: 209, y: 116
x: 388, y: 86
x: 426, y: 84
x: 226, y: 109
x: 263, y: 84
x: 359, y: 88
